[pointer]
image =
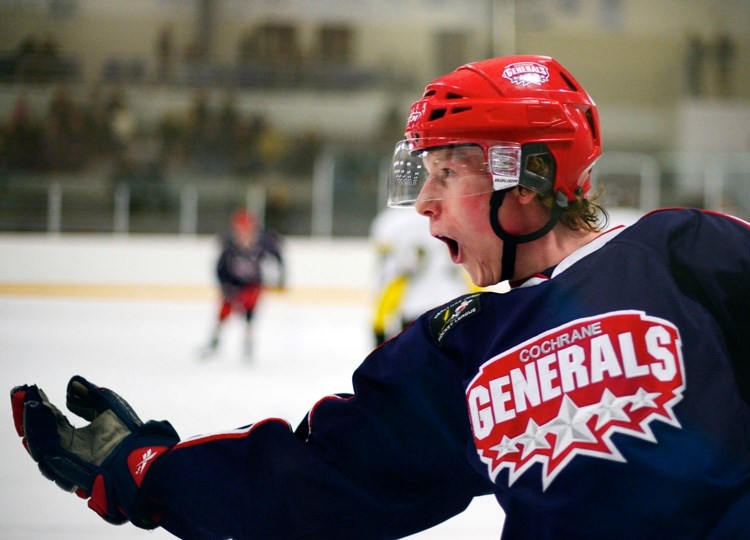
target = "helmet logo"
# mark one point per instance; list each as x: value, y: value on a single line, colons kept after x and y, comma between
x: 526, y: 73
x: 417, y: 111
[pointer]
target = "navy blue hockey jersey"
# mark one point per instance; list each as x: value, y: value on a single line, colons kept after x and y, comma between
x: 238, y: 265
x: 606, y: 400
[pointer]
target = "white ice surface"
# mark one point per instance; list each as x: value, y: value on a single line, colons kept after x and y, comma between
x: 146, y: 351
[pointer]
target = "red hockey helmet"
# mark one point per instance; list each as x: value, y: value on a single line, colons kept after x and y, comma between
x: 243, y: 220
x: 512, y: 107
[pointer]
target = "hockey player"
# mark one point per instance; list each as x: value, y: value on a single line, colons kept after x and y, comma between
x: 604, y: 396
x: 240, y: 272
x: 414, y: 273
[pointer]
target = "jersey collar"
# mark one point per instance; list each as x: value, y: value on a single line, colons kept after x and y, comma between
x: 570, y: 260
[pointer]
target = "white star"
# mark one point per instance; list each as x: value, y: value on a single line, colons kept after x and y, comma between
x: 533, y: 438
x: 644, y: 399
x: 570, y: 426
x: 506, y: 446
x: 610, y: 408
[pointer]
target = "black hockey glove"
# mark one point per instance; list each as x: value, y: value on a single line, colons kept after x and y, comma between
x: 105, y: 461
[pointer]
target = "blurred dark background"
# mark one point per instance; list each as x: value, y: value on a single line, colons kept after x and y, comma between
x: 161, y: 116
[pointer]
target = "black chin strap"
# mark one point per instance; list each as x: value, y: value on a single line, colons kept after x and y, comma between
x: 510, y: 242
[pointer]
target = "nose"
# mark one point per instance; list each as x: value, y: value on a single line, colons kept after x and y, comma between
x: 427, y: 202
x: 426, y: 205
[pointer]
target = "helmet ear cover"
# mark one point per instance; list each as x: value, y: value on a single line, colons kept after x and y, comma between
x: 539, y: 168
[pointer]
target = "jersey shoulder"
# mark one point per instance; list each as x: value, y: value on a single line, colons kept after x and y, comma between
x: 671, y: 225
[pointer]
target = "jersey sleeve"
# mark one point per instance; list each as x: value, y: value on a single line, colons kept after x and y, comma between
x: 710, y: 259
x: 272, y: 245
x: 388, y: 461
x: 223, y: 271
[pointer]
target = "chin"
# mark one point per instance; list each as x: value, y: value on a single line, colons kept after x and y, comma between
x: 480, y: 281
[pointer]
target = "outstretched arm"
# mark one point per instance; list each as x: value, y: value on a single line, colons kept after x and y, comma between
x: 385, y: 462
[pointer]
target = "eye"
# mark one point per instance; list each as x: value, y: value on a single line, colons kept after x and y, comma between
x: 441, y: 176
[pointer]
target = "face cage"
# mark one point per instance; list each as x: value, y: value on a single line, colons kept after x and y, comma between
x: 408, y: 173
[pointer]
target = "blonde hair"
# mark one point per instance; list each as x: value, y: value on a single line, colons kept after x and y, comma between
x: 582, y: 213
x: 586, y: 213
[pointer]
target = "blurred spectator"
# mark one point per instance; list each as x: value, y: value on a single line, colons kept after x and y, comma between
x: 247, y: 48
x: 101, y: 132
x: 121, y: 122
x: 27, y: 59
x: 197, y: 121
x: 22, y: 137
x: 272, y: 146
x: 304, y: 150
x: 38, y: 61
x: 172, y: 134
x: 245, y: 159
x: 64, y: 139
x: 96, y: 122
x: 62, y: 107
x: 204, y: 137
x: 228, y: 119
x: 164, y: 54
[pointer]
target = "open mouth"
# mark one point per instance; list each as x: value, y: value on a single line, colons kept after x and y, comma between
x: 452, y: 247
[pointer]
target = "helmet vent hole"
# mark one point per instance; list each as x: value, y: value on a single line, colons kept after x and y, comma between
x: 570, y: 84
x: 451, y: 95
x: 592, y: 124
x: 437, y: 114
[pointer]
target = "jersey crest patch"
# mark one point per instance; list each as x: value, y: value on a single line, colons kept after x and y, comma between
x: 452, y: 314
x: 566, y: 392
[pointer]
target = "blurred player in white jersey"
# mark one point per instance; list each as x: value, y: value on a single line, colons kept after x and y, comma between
x: 413, y: 274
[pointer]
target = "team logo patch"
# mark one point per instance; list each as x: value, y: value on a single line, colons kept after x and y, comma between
x: 526, y: 73
x: 566, y: 392
x: 452, y: 314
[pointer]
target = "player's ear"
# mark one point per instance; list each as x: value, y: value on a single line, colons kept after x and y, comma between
x: 524, y: 195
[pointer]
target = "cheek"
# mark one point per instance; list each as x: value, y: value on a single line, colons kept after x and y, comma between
x: 477, y: 217
x: 479, y: 237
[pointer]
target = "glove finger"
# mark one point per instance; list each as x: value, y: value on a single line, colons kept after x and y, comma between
x: 69, y: 472
x: 89, y: 401
x: 47, y: 432
x: 18, y: 398
x: 51, y: 475
x: 40, y: 428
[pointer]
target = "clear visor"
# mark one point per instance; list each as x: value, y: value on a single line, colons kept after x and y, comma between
x: 440, y: 168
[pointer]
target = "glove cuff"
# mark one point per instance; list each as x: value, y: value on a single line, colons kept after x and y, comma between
x: 116, y: 491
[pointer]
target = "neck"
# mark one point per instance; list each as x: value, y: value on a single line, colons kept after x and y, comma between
x: 549, y: 250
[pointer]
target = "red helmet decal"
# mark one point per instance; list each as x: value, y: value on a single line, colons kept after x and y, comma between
x: 526, y: 73
x: 566, y: 392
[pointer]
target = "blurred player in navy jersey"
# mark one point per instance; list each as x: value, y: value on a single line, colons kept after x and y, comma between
x: 605, y: 395
x: 241, y: 271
